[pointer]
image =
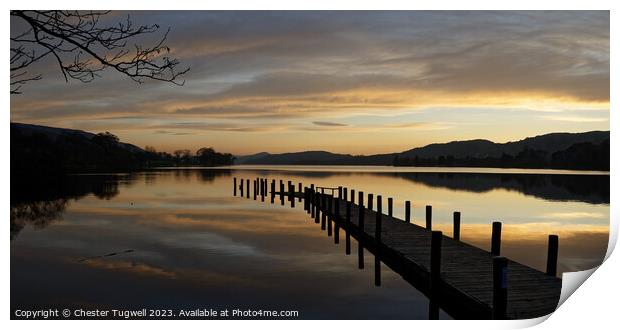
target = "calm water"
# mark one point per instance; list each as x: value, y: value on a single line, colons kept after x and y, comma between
x: 176, y: 238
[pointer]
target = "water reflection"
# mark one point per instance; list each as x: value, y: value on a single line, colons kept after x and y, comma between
x: 195, y: 246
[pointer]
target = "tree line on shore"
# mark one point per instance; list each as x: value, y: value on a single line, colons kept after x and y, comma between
x: 205, y: 156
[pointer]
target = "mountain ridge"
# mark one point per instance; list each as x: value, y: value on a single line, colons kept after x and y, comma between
x: 525, y: 152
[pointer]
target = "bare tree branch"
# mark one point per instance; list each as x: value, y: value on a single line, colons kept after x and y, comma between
x: 82, y: 48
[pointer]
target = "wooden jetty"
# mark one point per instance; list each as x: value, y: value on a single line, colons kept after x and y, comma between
x: 463, y: 280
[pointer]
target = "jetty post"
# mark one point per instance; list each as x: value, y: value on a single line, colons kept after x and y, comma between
x: 390, y: 207
x: 273, y: 190
x: 435, y: 273
x: 323, y: 211
x: 456, y: 228
x: 408, y: 211
x: 348, y: 228
x: 235, y: 187
x: 241, y: 188
x: 263, y: 190
x: 496, y: 238
x: 360, y: 245
x: 378, y: 241
x: 337, y: 220
x: 500, y: 287
x: 291, y: 192
x: 281, y: 192
x: 317, y: 206
x: 330, y: 214
x: 429, y: 217
x: 370, y: 201
x: 552, y: 255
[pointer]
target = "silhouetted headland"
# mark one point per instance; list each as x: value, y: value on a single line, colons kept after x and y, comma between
x: 45, y: 150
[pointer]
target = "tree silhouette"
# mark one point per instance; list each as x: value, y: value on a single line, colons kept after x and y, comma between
x: 83, y: 48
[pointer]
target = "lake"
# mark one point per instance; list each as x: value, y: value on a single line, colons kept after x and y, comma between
x: 177, y: 238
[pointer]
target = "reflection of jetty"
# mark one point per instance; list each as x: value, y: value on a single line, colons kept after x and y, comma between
x: 463, y: 280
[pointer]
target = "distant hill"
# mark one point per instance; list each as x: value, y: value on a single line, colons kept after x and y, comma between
x: 549, y: 143
x: 314, y: 158
x: 39, y: 149
x: 55, y: 134
x: 589, y: 150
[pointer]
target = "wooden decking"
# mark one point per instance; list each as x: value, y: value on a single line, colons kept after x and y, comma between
x: 465, y: 288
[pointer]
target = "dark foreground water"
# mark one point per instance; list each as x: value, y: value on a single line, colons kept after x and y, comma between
x: 176, y: 239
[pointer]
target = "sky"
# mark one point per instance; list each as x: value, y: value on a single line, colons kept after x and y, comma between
x: 347, y: 82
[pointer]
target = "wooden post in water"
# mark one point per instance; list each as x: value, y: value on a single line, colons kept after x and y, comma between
x: 323, y: 211
x: 345, y: 194
x: 408, y: 211
x: 330, y: 214
x: 291, y: 192
x: 300, y: 189
x: 263, y: 190
x: 337, y: 221
x: 390, y: 207
x: 306, y: 200
x: 496, y: 238
x: 360, y: 245
x: 500, y: 287
x: 317, y: 206
x: 313, y: 201
x: 378, y: 225
x: 255, y: 190
x: 273, y: 190
x: 378, y: 219
x: 353, y: 196
x: 436, y: 238
x: 290, y: 196
x: 552, y: 256
x: 234, y: 186
x: 429, y: 217
x: 241, y: 188
x: 247, y: 188
x: 456, y: 228
x: 435, y: 275
x: 370, y: 202
x: 281, y: 192
x: 339, y: 192
x: 348, y: 228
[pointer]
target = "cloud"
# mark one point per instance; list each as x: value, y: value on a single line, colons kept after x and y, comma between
x: 328, y: 123
x: 172, y: 133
